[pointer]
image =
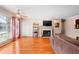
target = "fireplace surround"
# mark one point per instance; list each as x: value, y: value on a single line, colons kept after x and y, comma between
x: 47, y: 31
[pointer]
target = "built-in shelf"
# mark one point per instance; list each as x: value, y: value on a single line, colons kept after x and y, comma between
x: 35, y: 30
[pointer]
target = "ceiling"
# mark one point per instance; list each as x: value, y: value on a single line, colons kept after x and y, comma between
x: 63, y: 11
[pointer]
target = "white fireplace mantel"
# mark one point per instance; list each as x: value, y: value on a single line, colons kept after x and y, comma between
x: 42, y: 28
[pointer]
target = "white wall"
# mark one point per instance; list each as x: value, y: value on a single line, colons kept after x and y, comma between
x: 70, y: 27
x: 27, y: 25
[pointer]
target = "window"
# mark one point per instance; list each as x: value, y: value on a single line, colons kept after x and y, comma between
x: 3, y: 24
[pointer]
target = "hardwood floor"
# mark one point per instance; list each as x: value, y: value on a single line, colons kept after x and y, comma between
x: 28, y: 45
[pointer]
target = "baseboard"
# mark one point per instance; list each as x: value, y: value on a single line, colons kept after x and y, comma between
x: 5, y: 42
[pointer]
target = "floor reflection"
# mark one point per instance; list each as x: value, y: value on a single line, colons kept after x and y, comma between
x: 28, y: 45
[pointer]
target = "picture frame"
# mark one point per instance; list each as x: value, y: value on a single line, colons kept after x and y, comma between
x: 57, y: 25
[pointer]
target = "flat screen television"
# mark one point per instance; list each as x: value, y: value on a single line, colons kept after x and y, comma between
x: 47, y: 23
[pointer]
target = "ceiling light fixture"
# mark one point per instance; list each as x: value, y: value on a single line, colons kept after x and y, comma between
x: 18, y: 14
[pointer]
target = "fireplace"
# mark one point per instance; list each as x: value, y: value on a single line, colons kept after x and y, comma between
x: 46, y: 33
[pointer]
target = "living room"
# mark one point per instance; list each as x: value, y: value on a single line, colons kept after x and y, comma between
x: 39, y: 23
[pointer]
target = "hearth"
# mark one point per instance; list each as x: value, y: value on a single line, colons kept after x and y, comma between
x: 46, y: 33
